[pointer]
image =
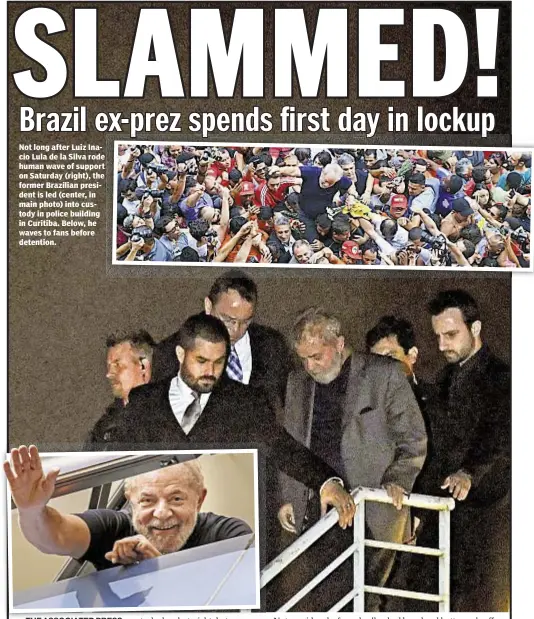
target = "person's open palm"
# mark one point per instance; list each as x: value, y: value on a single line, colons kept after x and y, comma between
x: 30, y: 487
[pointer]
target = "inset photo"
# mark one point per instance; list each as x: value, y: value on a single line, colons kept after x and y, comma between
x: 318, y: 206
x: 159, y: 530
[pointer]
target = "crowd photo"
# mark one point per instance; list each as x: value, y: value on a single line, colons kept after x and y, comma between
x: 322, y: 206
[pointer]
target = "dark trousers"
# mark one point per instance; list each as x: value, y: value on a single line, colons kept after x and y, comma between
x: 480, y: 559
x: 310, y: 234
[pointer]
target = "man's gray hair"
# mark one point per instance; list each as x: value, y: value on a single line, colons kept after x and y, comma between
x: 191, y: 469
x: 281, y: 220
x: 316, y: 323
x: 345, y: 159
x: 334, y: 170
x: 301, y: 243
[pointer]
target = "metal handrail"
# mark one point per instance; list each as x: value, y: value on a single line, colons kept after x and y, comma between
x: 357, y: 549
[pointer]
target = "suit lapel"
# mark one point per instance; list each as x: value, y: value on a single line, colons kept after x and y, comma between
x: 299, y: 406
x: 357, y: 397
x: 255, y: 344
x: 166, y: 424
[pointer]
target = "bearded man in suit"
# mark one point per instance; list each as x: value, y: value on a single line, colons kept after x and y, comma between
x: 359, y: 414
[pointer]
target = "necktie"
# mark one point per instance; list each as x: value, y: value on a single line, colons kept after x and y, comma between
x: 192, y: 413
x: 233, y: 368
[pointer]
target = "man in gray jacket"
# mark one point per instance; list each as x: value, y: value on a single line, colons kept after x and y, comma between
x: 359, y: 414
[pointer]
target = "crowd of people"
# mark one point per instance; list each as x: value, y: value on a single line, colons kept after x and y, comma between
x: 340, y: 206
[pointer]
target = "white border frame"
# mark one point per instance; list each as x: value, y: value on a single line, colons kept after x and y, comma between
x: 246, y: 265
x: 85, y: 455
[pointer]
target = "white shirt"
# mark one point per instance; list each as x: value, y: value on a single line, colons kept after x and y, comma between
x: 244, y: 352
x: 180, y: 397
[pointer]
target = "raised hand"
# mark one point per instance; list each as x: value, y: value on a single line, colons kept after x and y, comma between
x: 30, y: 487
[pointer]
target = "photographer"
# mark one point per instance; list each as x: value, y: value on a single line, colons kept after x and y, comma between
x: 221, y: 163
x: 144, y: 246
x: 520, y: 240
x: 170, y: 155
x: 499, y: 248
x: 170, y: 233
x: 173, y: 184
x: 132, y: 165
x: 195, y: 198
x: 443, y: 250
x: 149, y: 209
x: 148, y: 177
x: 129, y: 199
x: 201, y: 237
x: 385, y: 189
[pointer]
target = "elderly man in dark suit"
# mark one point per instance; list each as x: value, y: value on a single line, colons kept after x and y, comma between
x: 358, y: 413
x: 259, y: 355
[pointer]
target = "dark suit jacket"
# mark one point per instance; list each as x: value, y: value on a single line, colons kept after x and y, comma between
x: 233, y: 417
x: 271, y: 361
x: 470, y: 423
x: 383, y: 438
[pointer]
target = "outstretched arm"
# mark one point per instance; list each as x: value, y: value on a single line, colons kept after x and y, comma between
x: 44, y: 527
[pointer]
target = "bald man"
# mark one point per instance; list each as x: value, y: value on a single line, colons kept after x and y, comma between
x: 165, y: 515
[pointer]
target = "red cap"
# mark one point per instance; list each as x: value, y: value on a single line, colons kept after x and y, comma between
x: 351, y: 249
x: 399, y: 200
x: 247, y: 188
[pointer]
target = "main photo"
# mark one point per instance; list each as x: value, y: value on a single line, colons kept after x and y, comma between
x: 382, y: 399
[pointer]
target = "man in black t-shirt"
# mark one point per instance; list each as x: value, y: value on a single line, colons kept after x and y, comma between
x: 164, y: 518
x: 319, y: 187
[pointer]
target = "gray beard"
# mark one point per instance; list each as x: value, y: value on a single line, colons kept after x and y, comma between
x: 169, y: 546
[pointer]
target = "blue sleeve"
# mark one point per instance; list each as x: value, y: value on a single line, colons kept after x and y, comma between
x: 309, y: 172
x: 344, y: 184
x: 502, y: 181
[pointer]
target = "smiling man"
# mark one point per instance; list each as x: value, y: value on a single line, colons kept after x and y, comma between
x: 165, y: 515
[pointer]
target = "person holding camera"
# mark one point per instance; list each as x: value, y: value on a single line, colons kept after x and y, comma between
x: 144, y: 246
x: 129, y: 199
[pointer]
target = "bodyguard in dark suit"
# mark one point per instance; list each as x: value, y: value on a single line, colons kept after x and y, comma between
x: 469, y: 458
x: 202, y: 407
x: 358, y: 413
x: 259, y: 355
